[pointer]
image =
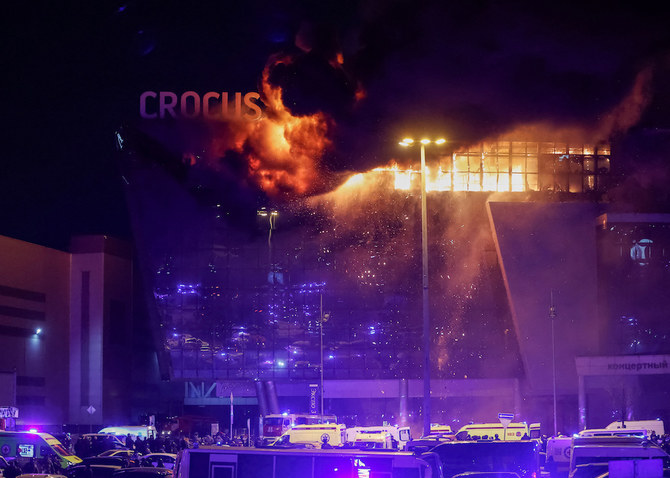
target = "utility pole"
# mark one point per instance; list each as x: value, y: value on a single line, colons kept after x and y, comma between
x: 552, y: 317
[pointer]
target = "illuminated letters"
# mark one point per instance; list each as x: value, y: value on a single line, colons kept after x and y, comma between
x: 143, y: 104
x: 169, y: 107
x: 189, y: 105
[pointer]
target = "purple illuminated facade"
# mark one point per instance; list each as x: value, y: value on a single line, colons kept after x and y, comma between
x: 238, y: 300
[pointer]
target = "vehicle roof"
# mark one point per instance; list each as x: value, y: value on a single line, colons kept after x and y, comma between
x: 609, y: 440
x: 297, y: 451
x: 276, y: 415
x: 613, y: 431
x: 494, y: 425
x: 606, y: 450
x: 40, y: 475
x: 318, y: 426
x: 144, y: 470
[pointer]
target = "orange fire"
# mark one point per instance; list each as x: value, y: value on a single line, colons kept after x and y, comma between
x: 516, y: 166
x: 283, y: 151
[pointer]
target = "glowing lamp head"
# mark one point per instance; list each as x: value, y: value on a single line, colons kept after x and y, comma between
x: 440, y: 141
x: 425, y: 141
x: 38, y: 331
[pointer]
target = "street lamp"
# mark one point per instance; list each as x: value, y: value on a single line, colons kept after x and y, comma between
x: 322, y: 318
x: 552, y: 316
x: 424, y: 267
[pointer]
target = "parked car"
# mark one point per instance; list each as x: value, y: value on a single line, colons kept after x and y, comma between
x: 119, y: 461
x: 39, y: 475
x: 143, y: 472
x: 96, y: 471
x: 160, y: 460
x: 120, y: 453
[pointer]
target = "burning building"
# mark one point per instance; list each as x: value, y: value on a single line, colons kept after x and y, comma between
x: 252, y: 300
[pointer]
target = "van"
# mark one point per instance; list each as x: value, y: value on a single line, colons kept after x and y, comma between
x: 534, y: 430
x: 437, y: 429
x: 489, y: 431
x: 557, y: 461
x: 143, y: 431
x: 400, y: 436
x: 378, y: 439
x: 26, y: 445
x: 620, y: 432
x: 652, y: 426
x: 318, y: 435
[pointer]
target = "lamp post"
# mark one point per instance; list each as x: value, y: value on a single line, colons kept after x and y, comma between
x: 552, y: 316
x: 424, y: 272
x: 321, y: 348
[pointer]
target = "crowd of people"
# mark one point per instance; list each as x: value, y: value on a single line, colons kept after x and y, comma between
x: 91, y: 445
x: 49, y: 465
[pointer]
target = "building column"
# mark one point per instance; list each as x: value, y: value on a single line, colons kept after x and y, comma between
x: 582, y: 403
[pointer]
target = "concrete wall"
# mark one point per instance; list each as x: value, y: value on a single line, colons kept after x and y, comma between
x: 34, y: 292
x: 545, y: 248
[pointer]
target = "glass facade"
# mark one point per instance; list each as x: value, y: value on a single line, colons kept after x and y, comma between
x: 518, y: 166
x: 634, y: 269
x: 245, y: 293
x: 251, y: 306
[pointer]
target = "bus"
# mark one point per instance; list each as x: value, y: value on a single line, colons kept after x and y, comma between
x: 26, y: 445
x: 519, y: 456
x: 276, y: 425
x: 240, y: 462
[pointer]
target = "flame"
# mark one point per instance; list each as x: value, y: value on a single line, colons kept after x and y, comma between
x: 516, y: 166
x: 283, y: 151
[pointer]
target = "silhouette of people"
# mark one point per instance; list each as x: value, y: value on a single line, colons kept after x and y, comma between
x: 324, y: 442
x: 12, y: 471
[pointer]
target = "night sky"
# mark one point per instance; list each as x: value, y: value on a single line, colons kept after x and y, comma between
x: 472, y: 69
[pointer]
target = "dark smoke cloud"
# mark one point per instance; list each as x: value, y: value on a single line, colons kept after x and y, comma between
x: 469, y: 70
